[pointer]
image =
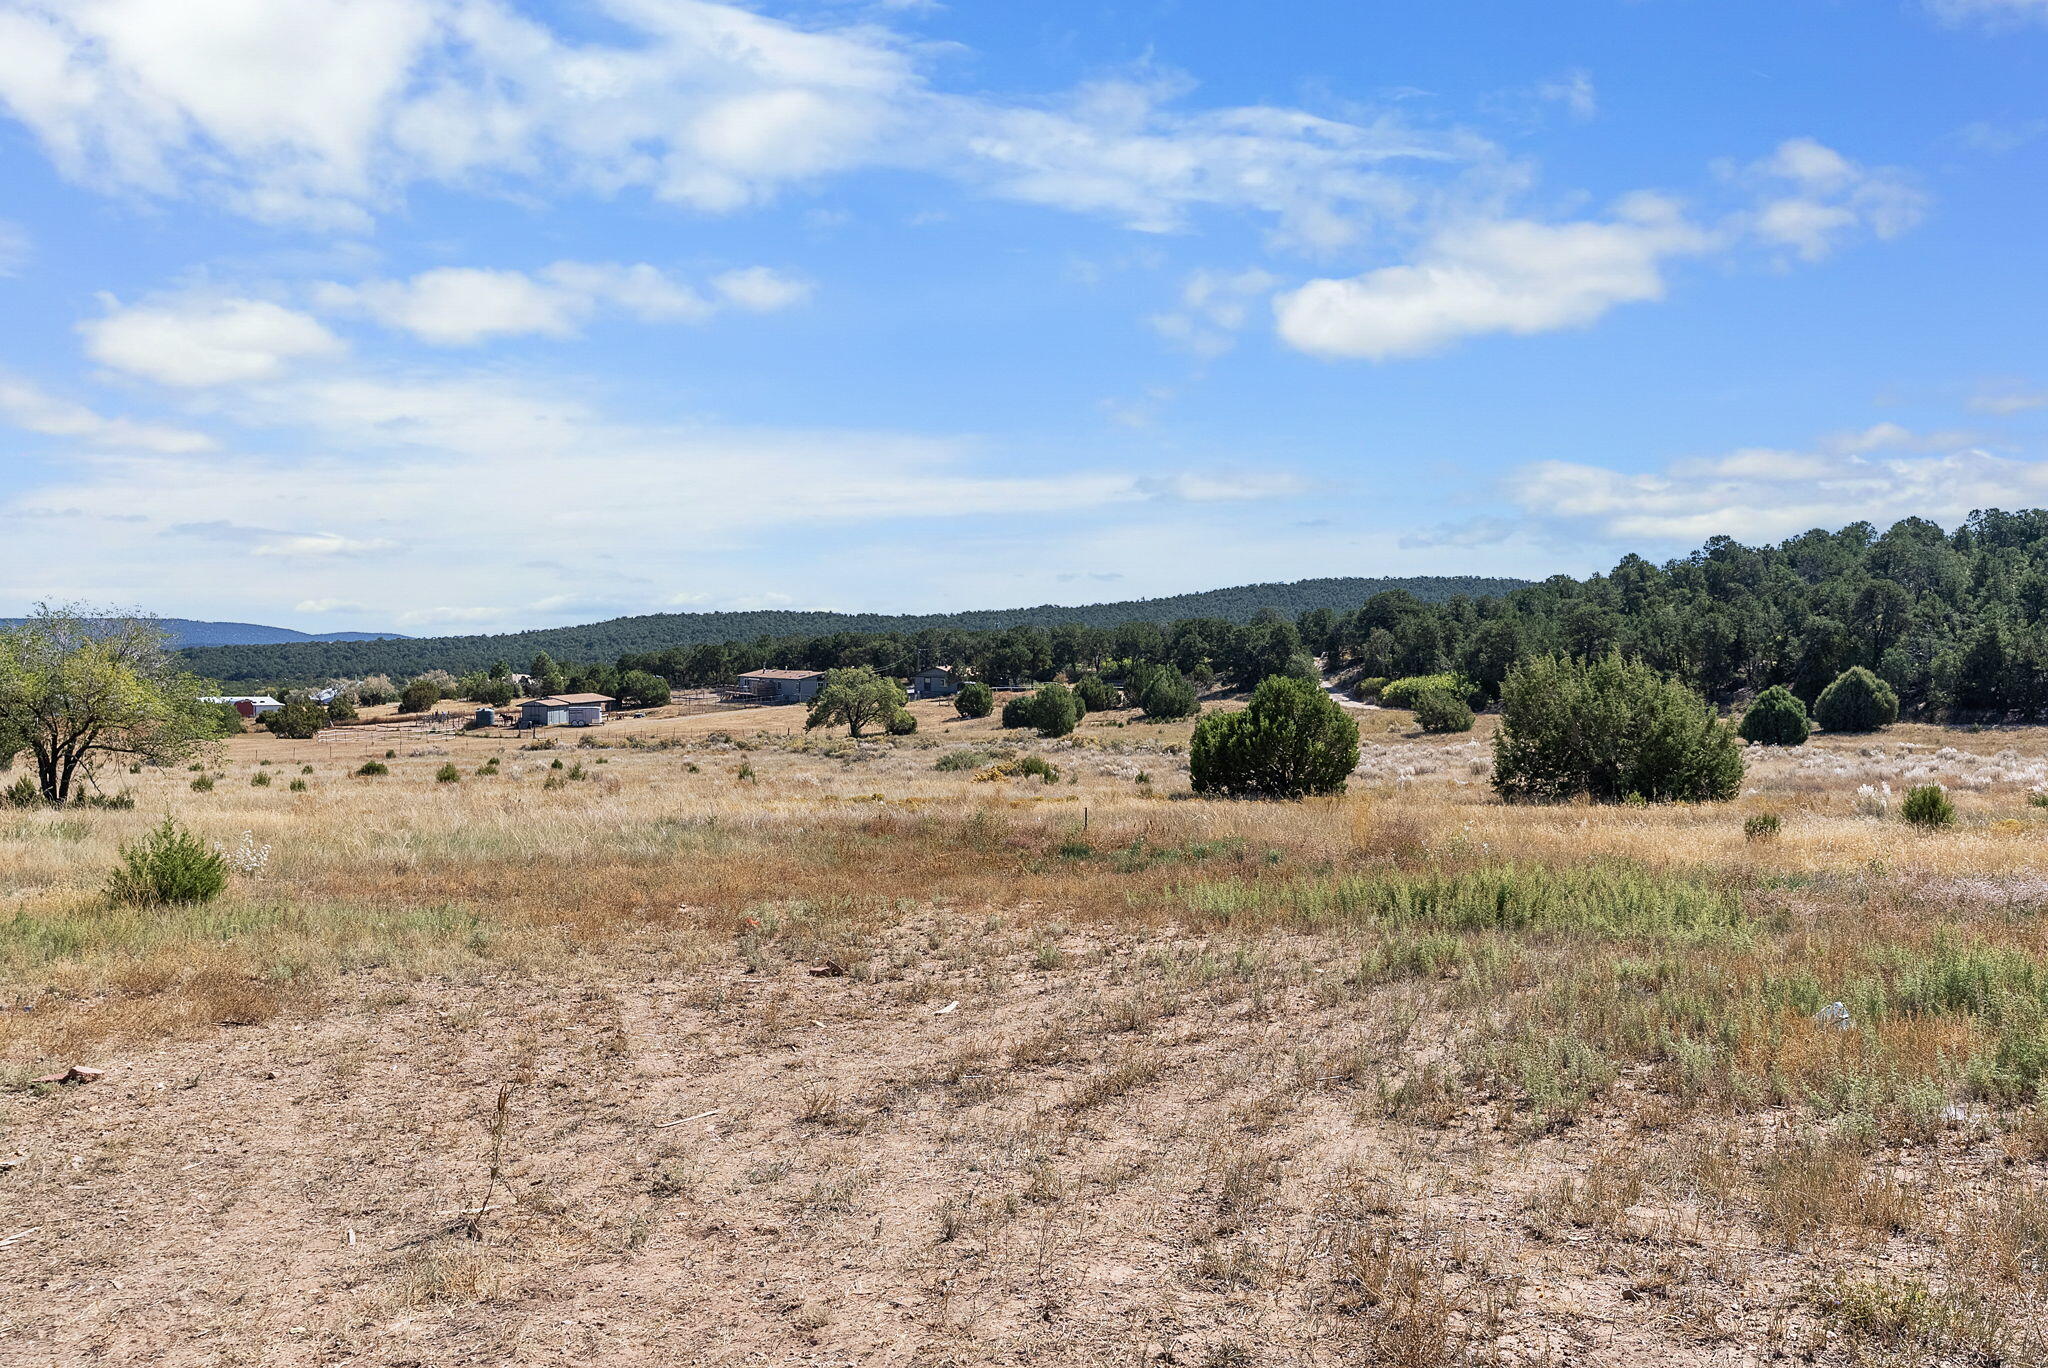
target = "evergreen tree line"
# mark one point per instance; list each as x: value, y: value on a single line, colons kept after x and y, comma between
x: 1954, y: 623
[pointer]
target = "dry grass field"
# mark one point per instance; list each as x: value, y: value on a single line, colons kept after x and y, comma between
x: 699, y: 1040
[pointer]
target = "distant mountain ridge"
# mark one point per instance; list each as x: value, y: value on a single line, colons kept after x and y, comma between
x: 298, y: 660
x: 186, y: 633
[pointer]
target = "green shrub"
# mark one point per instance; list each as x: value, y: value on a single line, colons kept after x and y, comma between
x: 1164, y: 693
x: 1776, y: 718
x: 902, y: 722
x: 1858, y: 701
x: 124, y: 801
x: 1402, y: 693
x: 300, y: 719
x: 260, y: 779
x: 1291, y: 741
x: 1052, y: 711
x: 1928, y: 805
x: 954, y: 761
x: 23, y: 793
x: 1055, y: 711
x: 1368, y: 687
x: 1612, y: 730
x: 448, y: 774
x: 420, y: 695
x: 1764, y: 826
x: 203, y: 784
x: 168, y: 866
x: 975, y: 699
x: 1097, y: 694
x: 298, y: 786
x: 1439, y: 710
x: 372, y: 768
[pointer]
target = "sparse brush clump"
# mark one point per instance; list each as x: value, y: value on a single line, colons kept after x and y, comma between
x: 1439, y: 711
x: 260, y: 779
x: 1763, y: 826
x: 1025, y: 767
x: 203, y: 784
x: 372, y: 768
x: 1776, y: 718
x: 22, y: 793
x: 169, y: 866
x: 1929, y: 806
x: 953, y: 761
x: 448, y: 774
x: 1858, y: 701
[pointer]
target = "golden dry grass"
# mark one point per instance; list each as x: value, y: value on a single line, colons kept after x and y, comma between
x: 1407, y: 1076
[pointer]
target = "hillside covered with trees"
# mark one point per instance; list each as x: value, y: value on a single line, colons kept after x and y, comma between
x: 657, y: 632
x: 1955, y: 622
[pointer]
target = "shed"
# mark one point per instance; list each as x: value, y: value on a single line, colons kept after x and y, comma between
x: 781, y: 686
x: 565, y: 710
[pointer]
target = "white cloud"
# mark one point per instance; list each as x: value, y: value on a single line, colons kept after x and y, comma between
x: 2006, y: 402
x: 462, y: 305
x: 370, y: 467
x: 1816, y: 197
x: 322, y: 544
x: 1574, y: 90
x: 1760, y: 494
x: 200, y: 340
x: 1994, y: 11
x: 326, y: 111
x: 328, y: 605
x: 1522, y: 276
x: 1511, y: 275
x: 14, y: 248
x: 761, y: 289
x: 1214, y: 306
x: 28, y: 407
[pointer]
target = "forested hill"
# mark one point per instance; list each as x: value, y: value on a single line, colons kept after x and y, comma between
x: 190, y: 632
x: 308, y: 661
x: 1957, y: 622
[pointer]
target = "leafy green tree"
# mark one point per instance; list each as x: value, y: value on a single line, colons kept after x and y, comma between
x: 1858, y: 701
x: 419, y: 695
x: 1442, y: 710
x: 639, y: 689
x: 1098, y: 694
x: 975, y: 699
x: 856, y: 698
x: 495, y: 693
x: 1776, y: 718
x: 1291, y: 741
x: 300, y: 719
x: 75, y: 690
x: 376, y: 690
x: 1610, y: 729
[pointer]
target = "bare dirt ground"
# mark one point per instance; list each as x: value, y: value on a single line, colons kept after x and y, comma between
x: 810, y: 1053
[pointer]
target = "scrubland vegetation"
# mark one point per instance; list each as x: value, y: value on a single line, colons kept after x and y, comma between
x: 975, y: 1045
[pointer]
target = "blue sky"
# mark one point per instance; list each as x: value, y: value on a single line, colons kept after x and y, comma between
x: 459, y: 315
